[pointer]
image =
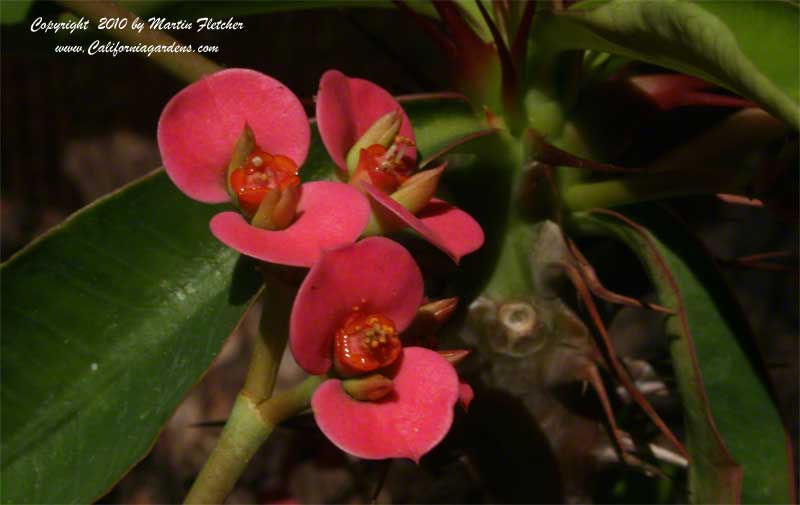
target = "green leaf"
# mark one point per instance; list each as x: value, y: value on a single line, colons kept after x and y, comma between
x: 14, y: 11
x: 750, y: 47
x: 108, y: 321
x: 734, y: 433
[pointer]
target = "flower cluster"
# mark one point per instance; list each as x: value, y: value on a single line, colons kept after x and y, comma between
x: 369, y: 137
x: 241, y: 136
x: 197, y: 133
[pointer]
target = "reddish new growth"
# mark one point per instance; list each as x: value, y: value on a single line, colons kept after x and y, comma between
x: 387, y: 168
x: 260, y: 173
x: 365, y: 343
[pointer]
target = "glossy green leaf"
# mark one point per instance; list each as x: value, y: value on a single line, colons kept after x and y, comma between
x: 108, y: 321
x: 14, y: 11
x: 750, y: 47
x: 734, y: 433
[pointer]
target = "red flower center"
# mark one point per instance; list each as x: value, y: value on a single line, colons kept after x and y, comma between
x: 260, y: 173
x: 365, y: 343
x: 386, y: 168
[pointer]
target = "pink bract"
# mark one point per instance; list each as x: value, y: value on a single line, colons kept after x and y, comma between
x: 199, y: 127
x: 347, y: 107
x: 442, y: 224
x: 406, y: 424
x: 465, y: 395
x: 329, y: 215
x: 376, y: 275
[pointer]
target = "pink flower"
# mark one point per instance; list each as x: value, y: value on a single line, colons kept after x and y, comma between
x: 347, y: 108
x: 347, y: 318
x: 197, y: 134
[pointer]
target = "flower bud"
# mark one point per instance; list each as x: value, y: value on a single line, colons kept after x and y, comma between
x: 383, y: 131
x: 454, y: 356
x: 368, y: 389
x: 277, y: 210
x: 244, y: 146
x: 441, y: 310
x: 418, y: 190
x: 429, y: 318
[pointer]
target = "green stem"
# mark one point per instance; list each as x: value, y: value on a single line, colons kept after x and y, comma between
x: 650, y: 187
x: 256, y: 412
x: 186, y: 66
x: 249, y: 425
x: 270, y: 343
x: 512, y: 275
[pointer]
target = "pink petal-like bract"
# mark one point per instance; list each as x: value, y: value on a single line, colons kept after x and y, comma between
x: 198, y: 128
x: 465, y: 395
x: 347, y: 107
x: 461, y: 233
x: 406, y: 424
x: 329, y: 215
x: 442, y: 224
x: 377, y: 275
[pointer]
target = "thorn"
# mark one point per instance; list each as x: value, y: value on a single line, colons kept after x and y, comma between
x: 769, y: 255
x: 754, y: 262
x: 544, y: 152
x: 740, y: 200
x: 440, y: 95
x: 669, y: 91
x: 441, y: 310
x: 593, y: 377
x: 589, y: 276
x: 429, y: 318
x: 456, y: 143
x: 583, y: 291
x: 455, y: 356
